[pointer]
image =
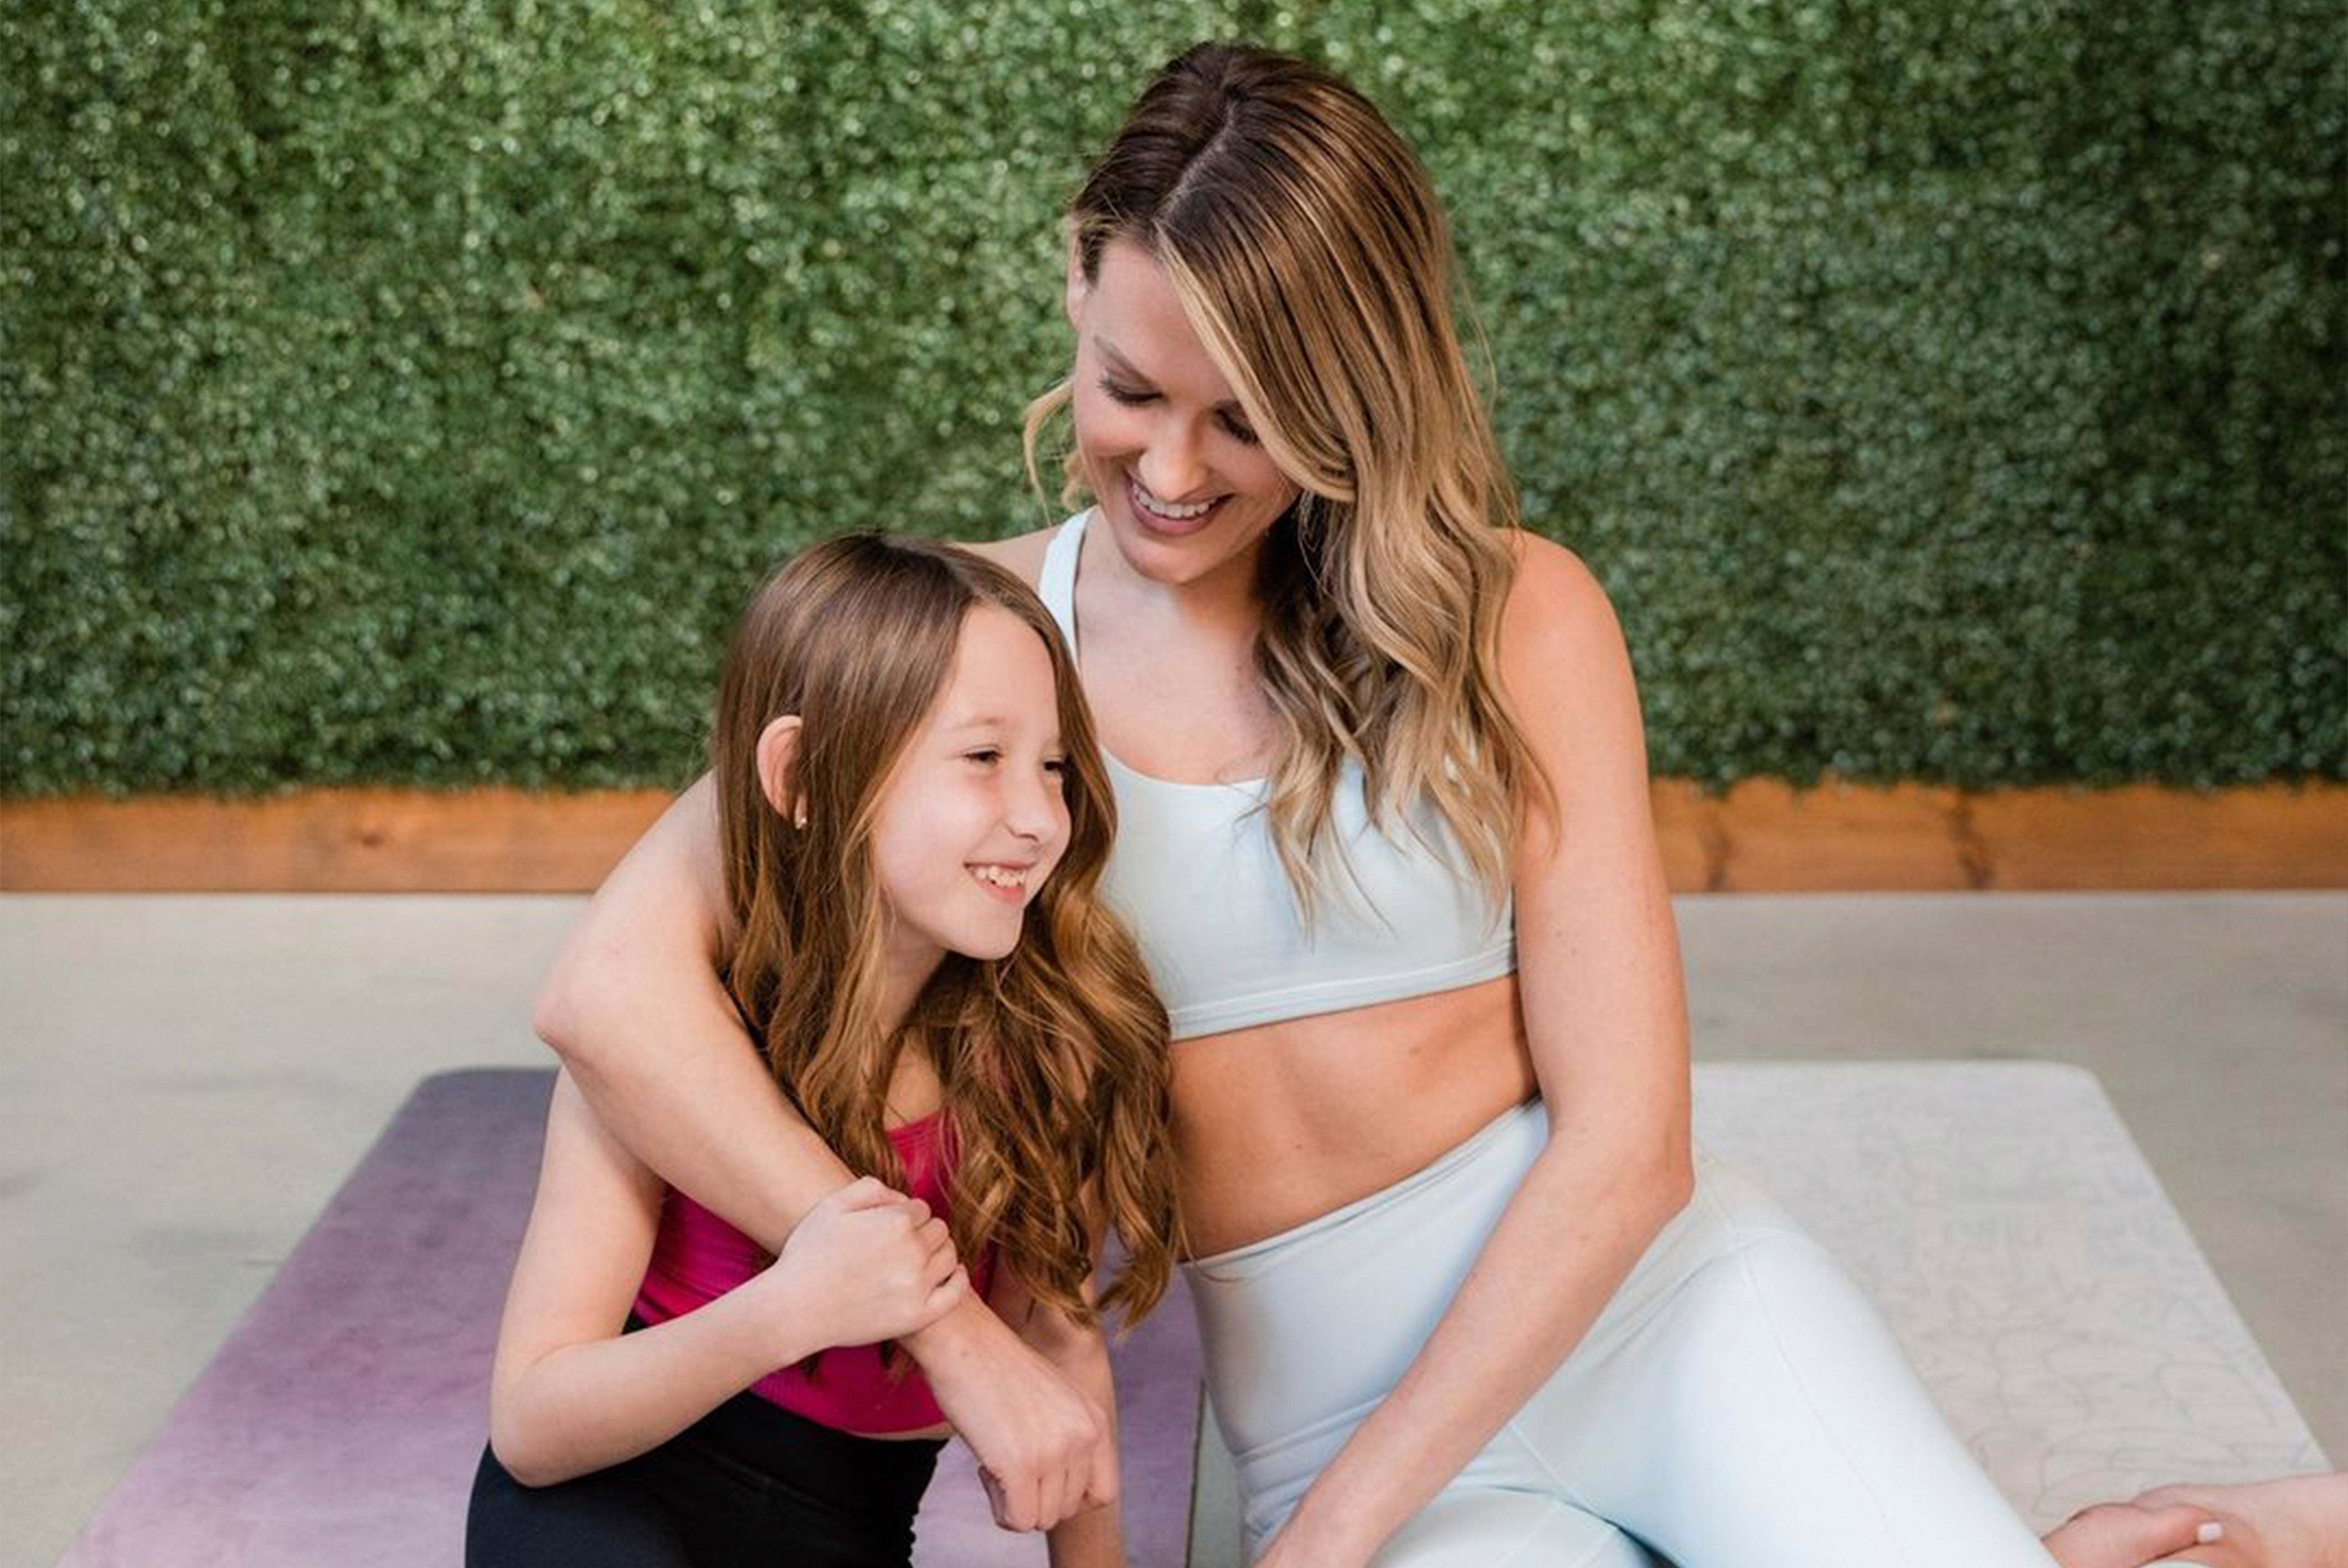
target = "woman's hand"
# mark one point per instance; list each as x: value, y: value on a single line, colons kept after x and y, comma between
x: 1038, y: 1438
x: 1291, y: 1549
x: 1088, y: 1532
x: 1061, y: 1484
x: 867, y: 1264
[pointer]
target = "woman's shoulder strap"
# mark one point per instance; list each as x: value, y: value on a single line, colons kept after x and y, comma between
x: 1055, y: 585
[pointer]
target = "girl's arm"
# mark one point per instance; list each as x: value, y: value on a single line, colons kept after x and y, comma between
x: 1094, y: 1537
x: 568, y: 1393
x: 1599, y: 970
x: 636, y: 1010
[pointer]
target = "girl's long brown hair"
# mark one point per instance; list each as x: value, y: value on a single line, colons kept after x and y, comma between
x: 1053, y: 1060
x: 1312, y: 258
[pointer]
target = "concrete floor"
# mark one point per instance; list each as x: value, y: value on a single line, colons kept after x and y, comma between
x: 185, y: 1080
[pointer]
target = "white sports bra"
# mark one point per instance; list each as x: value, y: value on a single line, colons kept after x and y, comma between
x: 1195, y: 875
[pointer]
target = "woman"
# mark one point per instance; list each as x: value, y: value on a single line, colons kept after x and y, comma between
x: 1467, y: 1295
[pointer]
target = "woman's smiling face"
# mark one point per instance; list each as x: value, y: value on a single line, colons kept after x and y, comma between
x: 1182, y: 482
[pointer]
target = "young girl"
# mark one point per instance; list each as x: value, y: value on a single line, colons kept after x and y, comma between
x: 914, y: 818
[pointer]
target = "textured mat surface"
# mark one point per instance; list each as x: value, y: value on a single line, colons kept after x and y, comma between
x: 1998, y: 1212
x: 340, y: 1424
x: 2023, y: 1250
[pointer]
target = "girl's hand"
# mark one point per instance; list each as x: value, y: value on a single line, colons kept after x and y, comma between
x: 867, y: 1264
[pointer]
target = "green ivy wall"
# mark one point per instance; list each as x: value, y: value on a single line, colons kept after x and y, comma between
x: 409, y: 391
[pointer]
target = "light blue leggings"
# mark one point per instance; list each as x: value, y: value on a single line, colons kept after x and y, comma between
x: 1738, y: 1405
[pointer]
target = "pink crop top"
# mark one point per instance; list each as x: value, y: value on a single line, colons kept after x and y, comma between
x: 697, y: 1258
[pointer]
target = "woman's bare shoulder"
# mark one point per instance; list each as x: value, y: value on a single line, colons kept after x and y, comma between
x: 1564, y: 663
x: 1554, y: 591
x: 1022, y: 553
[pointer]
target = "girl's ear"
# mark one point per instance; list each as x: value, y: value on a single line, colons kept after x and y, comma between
x: 778, y: 753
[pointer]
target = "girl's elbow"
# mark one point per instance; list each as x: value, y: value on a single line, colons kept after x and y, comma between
x: 552, y: 1016
x: 522, y: 1449
x: 519, y: 1458
x: 560, y: 1017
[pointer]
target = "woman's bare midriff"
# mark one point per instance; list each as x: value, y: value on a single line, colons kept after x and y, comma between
x: 1284, y: 1123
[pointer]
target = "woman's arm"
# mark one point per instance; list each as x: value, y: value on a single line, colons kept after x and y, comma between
x: 636, y: 1010
x: 568, y: 1393
x: 1599, y: 969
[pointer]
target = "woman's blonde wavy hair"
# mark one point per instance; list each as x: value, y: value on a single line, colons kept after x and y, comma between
x: 1313, y: 260
x: 1052, y: 1058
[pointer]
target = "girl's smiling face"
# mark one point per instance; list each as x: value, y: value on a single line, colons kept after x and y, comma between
x: 1181, y: 479
x: 972, y: 818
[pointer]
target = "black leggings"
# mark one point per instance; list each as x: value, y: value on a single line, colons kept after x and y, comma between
x: 748, y: 1483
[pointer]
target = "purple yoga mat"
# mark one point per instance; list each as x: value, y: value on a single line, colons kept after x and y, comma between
x: 341, y: 1421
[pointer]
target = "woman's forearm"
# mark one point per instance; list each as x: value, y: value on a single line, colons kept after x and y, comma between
x: 1564, y: 1244
x: 668, y: 1068
x: 636, y: 1010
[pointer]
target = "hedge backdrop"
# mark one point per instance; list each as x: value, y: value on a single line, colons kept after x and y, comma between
x: 410, y: 391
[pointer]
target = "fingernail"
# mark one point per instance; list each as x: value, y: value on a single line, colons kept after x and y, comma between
x: 2210, y: 1531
